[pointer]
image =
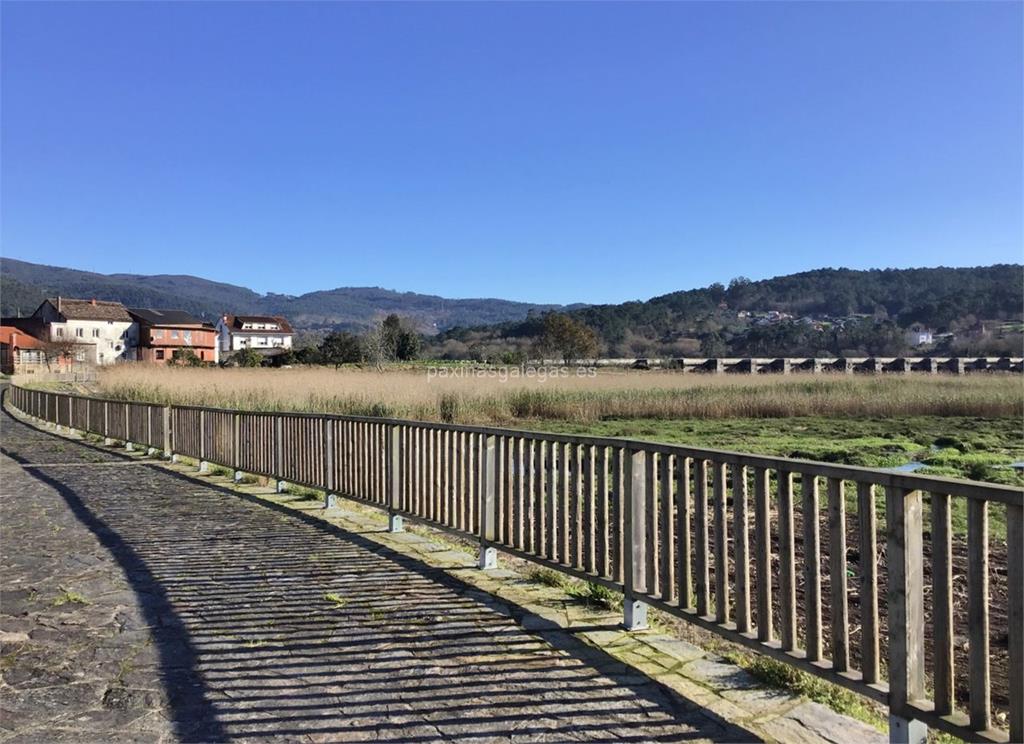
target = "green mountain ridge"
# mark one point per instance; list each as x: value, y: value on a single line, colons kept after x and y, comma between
x: 23, y: 285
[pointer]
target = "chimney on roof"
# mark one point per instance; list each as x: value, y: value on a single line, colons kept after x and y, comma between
x: 93, y: 301
x: 58, y: 303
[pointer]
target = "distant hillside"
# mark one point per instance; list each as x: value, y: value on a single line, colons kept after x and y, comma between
x: 23, y: 285
x: 833, y: 310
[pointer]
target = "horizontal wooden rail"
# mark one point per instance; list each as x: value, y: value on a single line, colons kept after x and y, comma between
x: 844, y: 572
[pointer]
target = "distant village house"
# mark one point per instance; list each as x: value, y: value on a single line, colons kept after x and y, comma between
x: 919, y: 336
x: 157, y: 334
x: 63, y: 332
x: 261, y: 332
x: 98, y: 329
x: 21, y: 352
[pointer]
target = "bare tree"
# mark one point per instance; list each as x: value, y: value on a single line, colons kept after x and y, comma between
x: 57, y: 349
x: 378, y: 346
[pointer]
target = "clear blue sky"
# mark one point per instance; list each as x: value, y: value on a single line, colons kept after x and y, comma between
x: 535, y: 151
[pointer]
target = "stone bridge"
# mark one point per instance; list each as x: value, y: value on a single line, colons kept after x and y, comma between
x: 140, y: 603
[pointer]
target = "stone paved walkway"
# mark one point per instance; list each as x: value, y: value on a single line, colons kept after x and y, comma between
x: 138, y: 605
x: 141, y: 603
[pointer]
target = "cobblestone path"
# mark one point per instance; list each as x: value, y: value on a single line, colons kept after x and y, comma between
x: 139, y: 605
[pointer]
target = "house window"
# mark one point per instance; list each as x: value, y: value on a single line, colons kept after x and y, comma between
x: 158, y: 333
x: 60, y: 331
x: 159, y: 353
x: 174, y: 334
x: 79, y: 332
x: 95, y: 332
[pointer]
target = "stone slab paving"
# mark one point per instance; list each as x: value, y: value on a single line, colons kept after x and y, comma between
x: 143, y: 604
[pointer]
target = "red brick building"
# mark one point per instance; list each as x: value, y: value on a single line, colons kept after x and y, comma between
x: 159, y: 333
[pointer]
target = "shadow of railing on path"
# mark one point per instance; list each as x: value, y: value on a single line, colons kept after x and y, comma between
x: 251, y: 645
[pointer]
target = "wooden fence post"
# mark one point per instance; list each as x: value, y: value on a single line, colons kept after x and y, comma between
x: 202, y: 441
x: 1015, y: 617
x: 488, y: 503
x: 168, y: 446
x: 330, y: 495
x: 150, y: 449
x: 635, y: 551
x: 127, y: 428
x: 107, y: 440
x: 394, y: 465
x: 906, y: 614
x: 236, y: 445
x: 279, y: 453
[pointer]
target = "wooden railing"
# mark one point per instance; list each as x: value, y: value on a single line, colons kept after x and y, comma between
x: 856, y: 575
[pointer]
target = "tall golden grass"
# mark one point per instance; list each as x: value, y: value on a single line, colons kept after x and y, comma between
x: 479, y: 398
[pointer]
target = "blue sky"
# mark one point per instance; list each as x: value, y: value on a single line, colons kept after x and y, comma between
x: 550, y: 152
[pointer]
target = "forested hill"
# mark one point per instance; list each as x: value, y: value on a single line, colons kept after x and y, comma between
x: 800, y: 313
x: 933, y: 297
x: 23, y: 285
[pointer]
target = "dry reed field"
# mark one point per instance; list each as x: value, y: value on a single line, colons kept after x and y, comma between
x: 489, y: 396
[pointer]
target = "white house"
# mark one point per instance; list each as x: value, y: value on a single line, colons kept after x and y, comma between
x: 236, y: 332
x: 919, y: 336
x: 100, y: 329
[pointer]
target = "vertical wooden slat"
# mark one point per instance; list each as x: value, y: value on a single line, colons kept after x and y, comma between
x: 453, y: 478
x: 837, y: 575
x: 618, y: 520
x: 569, y: 505
x: 531, y: 512
x: 519, y: 465
x: 652, y: 549
x: 473, y: 475
x: 684, y: 510
x: 905, y: 600
x: 1015, y: 617
x: 465, y: 485
x: 506, y: 444
x: 700, y: 502
x: 868, y: 526
x: 423, y: 487
x: 437, y: 462
x: 575, y: 511
x: 722, y: 609
x: 977, y: 614
x: 603, y: 548
x: 812, y: 565
x: 763, y: 555
x: 556, y: 501
x: 741, y: 541
x: 539, y: 491
x: 942, y: 603
x: 589, y: 519
x: 667, y: 529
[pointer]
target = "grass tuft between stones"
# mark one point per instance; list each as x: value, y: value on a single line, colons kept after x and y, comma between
x: 68, y: 596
